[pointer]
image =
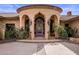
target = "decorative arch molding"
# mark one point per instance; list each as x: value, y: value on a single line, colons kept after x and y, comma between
x: 38, y: 6
x: 52, y: 23
x: 39, y: 15
x: 26, y: 23
x: 54, y: 17
x: 39, y: 25
x: 25, y: 16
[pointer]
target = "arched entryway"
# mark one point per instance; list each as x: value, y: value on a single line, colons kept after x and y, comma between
x: 26, y: 25
x: 51, y: 27
x: 52, y: 24
x: 39, y: 25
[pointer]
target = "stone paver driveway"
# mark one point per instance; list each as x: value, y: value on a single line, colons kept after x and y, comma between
x: 20, y: 48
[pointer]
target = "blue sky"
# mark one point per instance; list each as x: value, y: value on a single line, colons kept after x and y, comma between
x: 66, y: 7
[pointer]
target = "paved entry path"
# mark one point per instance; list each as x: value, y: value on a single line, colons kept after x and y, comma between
x: 20, y: 48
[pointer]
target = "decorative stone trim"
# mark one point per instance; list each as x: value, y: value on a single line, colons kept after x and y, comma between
x: 39, y: 7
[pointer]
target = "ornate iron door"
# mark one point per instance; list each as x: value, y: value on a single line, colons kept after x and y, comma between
x: 39, y: 27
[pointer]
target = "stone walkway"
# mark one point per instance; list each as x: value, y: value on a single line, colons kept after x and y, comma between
x: 20, y: 48
x: 71, y: 46
x: 55, y: 49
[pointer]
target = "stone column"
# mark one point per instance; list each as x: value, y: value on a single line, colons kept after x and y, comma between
x: 3, y: 31
x: 32, y: 27
x: 57, y: 22
x: 3, y: 34
x: 46, y: 28
x: 21, y: 22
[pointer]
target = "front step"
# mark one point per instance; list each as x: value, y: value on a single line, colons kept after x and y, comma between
x: 39, y: 38
x: 39, y: 41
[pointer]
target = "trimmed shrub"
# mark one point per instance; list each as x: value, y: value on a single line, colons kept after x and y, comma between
x: 62, y: 33
x: 10, y: 34
x: 21, y: 34
x: 69, y: 31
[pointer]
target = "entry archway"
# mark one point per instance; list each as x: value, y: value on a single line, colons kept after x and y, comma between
x: 39, y: 25
x: 26, y: 25
x: 52, y: 24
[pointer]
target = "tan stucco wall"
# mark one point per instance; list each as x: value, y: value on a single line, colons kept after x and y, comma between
x: 47, y: 15
x: 31, y: 14
x: 10, y: 21
x: 75, y: 25
x: 1, y: 30
x: 46, y: 12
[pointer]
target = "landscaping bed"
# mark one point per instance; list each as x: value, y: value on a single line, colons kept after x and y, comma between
x: 74, y: 40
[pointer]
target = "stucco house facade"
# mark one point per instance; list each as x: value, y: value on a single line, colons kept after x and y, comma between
x: 40, y: 20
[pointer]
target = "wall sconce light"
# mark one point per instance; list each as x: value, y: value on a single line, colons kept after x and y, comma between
x: 48, y: 22
x: 30, y: 23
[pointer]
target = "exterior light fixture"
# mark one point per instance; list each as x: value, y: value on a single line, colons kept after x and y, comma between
x: 48, y: 22
x: 30, y: 23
